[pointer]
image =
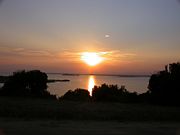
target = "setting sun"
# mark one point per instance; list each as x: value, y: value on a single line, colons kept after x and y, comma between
x: 91, y: 58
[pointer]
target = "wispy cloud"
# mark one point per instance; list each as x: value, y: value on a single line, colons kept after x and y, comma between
x: 23, y: 52
x: 117, y: 55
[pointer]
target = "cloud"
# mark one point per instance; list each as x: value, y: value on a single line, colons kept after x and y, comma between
x: 107, y: 36
x: 18, y: 49
x: 67, y: 55
x: 12, y: 51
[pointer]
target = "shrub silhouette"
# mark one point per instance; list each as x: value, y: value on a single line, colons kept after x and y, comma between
x: 76, y: 95
x: 164, y: 87
x: 31, y: 83
x: 113, y: 94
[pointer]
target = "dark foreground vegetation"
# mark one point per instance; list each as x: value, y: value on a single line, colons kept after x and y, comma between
x: 3, y: 79
x: 25, y: 95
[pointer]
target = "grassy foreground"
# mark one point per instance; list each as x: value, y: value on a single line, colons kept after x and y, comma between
x: 39, y: 109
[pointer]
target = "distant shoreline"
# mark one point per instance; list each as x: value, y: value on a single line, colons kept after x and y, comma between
x: 120, y: 75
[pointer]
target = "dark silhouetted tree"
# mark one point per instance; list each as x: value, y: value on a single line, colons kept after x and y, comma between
x: 36, y: 82
x: 164, y: 87
x: 31, y: 83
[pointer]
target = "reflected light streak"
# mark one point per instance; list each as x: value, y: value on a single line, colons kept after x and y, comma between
x: 91, y: 84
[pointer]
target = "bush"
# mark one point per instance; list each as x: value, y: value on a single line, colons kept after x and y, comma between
x: 76, y: 95
x: 113, y: 94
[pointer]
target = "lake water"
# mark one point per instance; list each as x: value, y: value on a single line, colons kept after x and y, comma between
x: 132, y: 84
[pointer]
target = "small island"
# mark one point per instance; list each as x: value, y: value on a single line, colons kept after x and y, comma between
x: 54, y: 80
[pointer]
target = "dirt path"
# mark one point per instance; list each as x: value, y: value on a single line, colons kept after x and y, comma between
x: 9, y: 127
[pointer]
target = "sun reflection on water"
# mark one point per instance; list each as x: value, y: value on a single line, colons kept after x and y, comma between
x: 91, y: 84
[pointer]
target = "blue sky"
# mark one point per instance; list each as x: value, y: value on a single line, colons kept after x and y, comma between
x: 148, y: 30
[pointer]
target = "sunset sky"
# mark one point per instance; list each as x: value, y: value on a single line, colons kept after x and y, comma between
x: 132, y: 36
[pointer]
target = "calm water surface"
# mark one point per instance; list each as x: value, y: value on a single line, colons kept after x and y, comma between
x: 137, y: 84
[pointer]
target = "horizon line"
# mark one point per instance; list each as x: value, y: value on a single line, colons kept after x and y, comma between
x: 99, y: 74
